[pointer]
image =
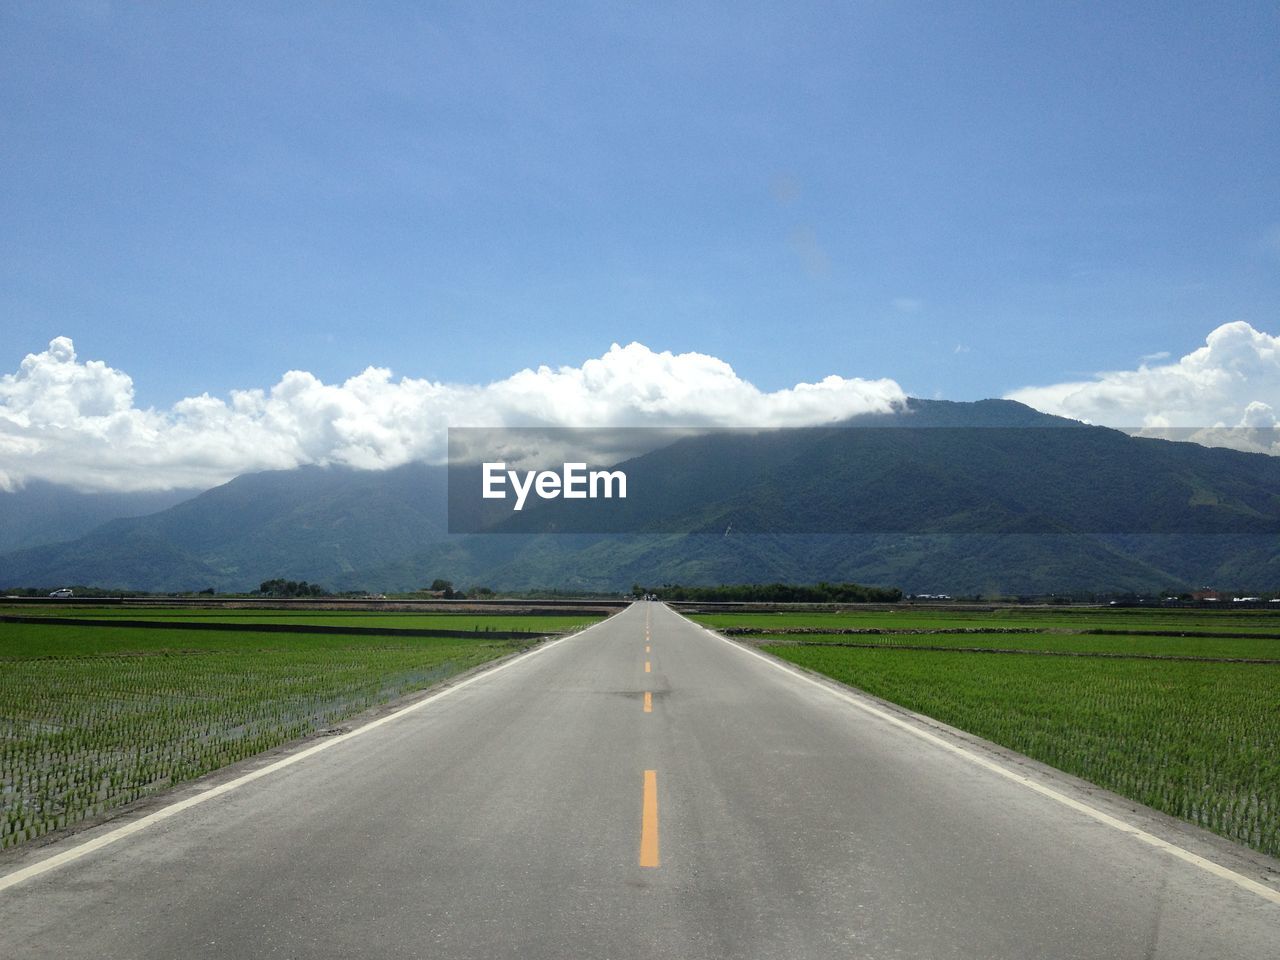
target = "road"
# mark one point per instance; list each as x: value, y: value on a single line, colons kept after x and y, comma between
x: 643, y: 789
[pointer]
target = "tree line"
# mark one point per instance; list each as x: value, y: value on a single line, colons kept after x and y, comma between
x: 291, y: 588
x: 774, y: 593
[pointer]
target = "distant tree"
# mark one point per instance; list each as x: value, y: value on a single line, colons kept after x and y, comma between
x: 291, y: 588
x: 776, y: 593
x: 445, y: 589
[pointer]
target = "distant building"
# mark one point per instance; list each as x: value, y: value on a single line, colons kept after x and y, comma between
x: 1205, y: 594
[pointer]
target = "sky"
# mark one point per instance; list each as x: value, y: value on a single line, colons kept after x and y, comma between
x: 206, y: 210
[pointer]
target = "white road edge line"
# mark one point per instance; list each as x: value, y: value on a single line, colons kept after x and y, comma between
x: 164, y: 813
x: 1224, y: 873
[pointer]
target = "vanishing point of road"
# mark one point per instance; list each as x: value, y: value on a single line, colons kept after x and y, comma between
x: 643, y: 789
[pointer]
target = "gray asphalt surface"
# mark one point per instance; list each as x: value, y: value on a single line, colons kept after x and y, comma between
x: 504, y: 820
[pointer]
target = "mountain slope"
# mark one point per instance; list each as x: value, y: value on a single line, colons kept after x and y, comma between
x: 318, y: 524
x: 41, y: 512
x: 988, y: 497
x: 1007, y: 470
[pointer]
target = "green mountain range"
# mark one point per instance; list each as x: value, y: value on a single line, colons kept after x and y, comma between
x: 962, y: 498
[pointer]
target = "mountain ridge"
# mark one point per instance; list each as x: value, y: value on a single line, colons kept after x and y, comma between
x: 1023, y: 508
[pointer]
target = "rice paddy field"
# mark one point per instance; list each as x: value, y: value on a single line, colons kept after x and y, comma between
x: 1179, y: 710
x: 462, y: 622
x: 92, y: 718
x: 1154, y: 620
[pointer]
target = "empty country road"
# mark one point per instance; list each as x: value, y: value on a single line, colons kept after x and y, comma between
x: 643, y: 789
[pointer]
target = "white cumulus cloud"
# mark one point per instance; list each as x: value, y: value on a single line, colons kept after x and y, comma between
x: 1222, y: 394
x: 75, y: 422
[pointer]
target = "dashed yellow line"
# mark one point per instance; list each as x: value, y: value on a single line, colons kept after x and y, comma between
x: 649, y: 821
x: 649, y: 805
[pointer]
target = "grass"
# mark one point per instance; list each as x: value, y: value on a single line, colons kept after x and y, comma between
x: 465, y: 622
x: 1074, y: 643
x: 909, y: 618
x: 92, y: 718
x: 1197, y: 739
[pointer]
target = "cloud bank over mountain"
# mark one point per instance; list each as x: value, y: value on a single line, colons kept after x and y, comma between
x: 1226, y: 393
x: 74, y: 422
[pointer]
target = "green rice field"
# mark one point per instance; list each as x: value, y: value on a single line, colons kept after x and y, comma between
x: 1208, y: 648
x: 92, y: 718
x: 462, y: 622
x: 1031, y: 618
x: 1196, y: 738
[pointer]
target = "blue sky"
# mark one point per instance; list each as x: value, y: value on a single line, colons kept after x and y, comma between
x: 967, y: 199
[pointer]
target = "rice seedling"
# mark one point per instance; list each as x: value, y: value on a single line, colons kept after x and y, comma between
x: 1199, y: 740
x: 92, y: 718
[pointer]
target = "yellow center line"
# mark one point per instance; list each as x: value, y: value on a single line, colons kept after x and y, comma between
x: 649, y: 821
x: 648, y: 702
x: 646, y: 666
x: 646, y: 648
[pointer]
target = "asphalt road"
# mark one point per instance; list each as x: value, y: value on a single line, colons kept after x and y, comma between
x: 541, y: 811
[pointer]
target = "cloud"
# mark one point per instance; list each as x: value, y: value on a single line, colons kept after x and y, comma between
x: 1222, y: 394
x: 75, y: 422
x: 907, y: 304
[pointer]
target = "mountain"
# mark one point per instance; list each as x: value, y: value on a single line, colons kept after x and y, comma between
x: 988, y: 497
x: 319, y: 524
x: 994, y: 467
x: 42, y: 512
